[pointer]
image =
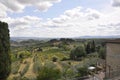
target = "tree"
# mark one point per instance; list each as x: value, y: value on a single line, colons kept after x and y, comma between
x: 102, y: 53
x: 54, y: 59
x: 78, y: 52
x: 5, y: 61
x: 88, y: 48
x: 93, y: 46
x: 49, y: 74
x: 82, y: 71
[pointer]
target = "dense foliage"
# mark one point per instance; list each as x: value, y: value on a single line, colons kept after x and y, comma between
x: 102, y: 53
x: 49, y: 74
x: 4, y: 51
x: 90, y: 47
x: 82, y: 71
x: 55, y: 59
x: 78, y: 52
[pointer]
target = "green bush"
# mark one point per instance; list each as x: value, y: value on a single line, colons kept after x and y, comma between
x: 102, y: 53
x: 68, y: 73
x: 54, y: 59
x: 82, y: 71
x: 64, y: 59
x: 23, y: 54
x: 90, y: 62
x: 49, y: 64
x: 37, y: 66
x: 13, y: 57
x: 78, y: 53
x: 49, y: 74
x: 18, y: 77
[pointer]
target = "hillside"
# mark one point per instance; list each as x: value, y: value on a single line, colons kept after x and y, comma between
x: 31, y: 57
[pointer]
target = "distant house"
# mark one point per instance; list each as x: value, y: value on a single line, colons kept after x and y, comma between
x: 112, y: 59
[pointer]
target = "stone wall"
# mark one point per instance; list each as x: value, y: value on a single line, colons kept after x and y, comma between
x: 112, y: 59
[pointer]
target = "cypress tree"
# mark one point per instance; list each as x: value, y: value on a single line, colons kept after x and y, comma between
x: 88, y: 48
x: 93, y: 46
x: 4, y: 51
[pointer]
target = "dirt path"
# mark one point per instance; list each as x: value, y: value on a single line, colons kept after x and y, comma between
x: 22, y: 66
x: 58, y: 65
x: 30, y: 72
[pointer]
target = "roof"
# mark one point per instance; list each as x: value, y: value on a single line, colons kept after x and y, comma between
x: 113, y: 41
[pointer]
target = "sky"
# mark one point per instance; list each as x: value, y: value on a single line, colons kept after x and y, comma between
x: 61, y: 18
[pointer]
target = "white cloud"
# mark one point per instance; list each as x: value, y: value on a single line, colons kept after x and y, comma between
x: 116, y: 3
x: 75, y: 22
x: 16, y: 7
x: 2, y: 11
x: 20, y: 5
x: 22, y: 26
x: 43, y: 6
x: 80, y: 22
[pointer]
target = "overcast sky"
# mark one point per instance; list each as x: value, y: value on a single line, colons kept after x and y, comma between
x: 61, y: 18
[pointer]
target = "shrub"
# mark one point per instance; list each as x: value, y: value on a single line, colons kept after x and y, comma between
x: 69, y: 63
x: 64, y: 65
x: 82, y: 71
x: 90, y: 62
x: 77, y: 53
x: 48, y: 74
x: 64, y: 59
x: 13, y: 57
x: 23, y: 54
x: 37, y: 66
x: 68, y: 73
x: 49, y: 64
x: 102, y: 53
x: 17, y: 77
x: 15, y: 67
x: 54, y: 59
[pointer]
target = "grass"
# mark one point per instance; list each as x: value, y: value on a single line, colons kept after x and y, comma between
x: 49, y: 53
x: 15, y: 67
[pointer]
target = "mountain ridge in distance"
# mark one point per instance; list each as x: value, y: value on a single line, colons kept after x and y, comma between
x: 106, y: 37
x: 81, y: 37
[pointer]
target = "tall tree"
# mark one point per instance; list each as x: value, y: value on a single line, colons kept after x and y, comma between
x: 93, y: 46
x: 88, y: 48
x: 4, y: 51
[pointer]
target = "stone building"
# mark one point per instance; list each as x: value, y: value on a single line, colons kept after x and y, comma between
x: 112, y: 59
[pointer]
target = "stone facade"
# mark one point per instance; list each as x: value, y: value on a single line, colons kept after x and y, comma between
x: 113, y: 59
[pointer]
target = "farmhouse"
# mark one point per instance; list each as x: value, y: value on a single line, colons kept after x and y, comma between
x: 113, y: 59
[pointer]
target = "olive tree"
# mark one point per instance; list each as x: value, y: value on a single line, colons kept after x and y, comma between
x: 78, y: 52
